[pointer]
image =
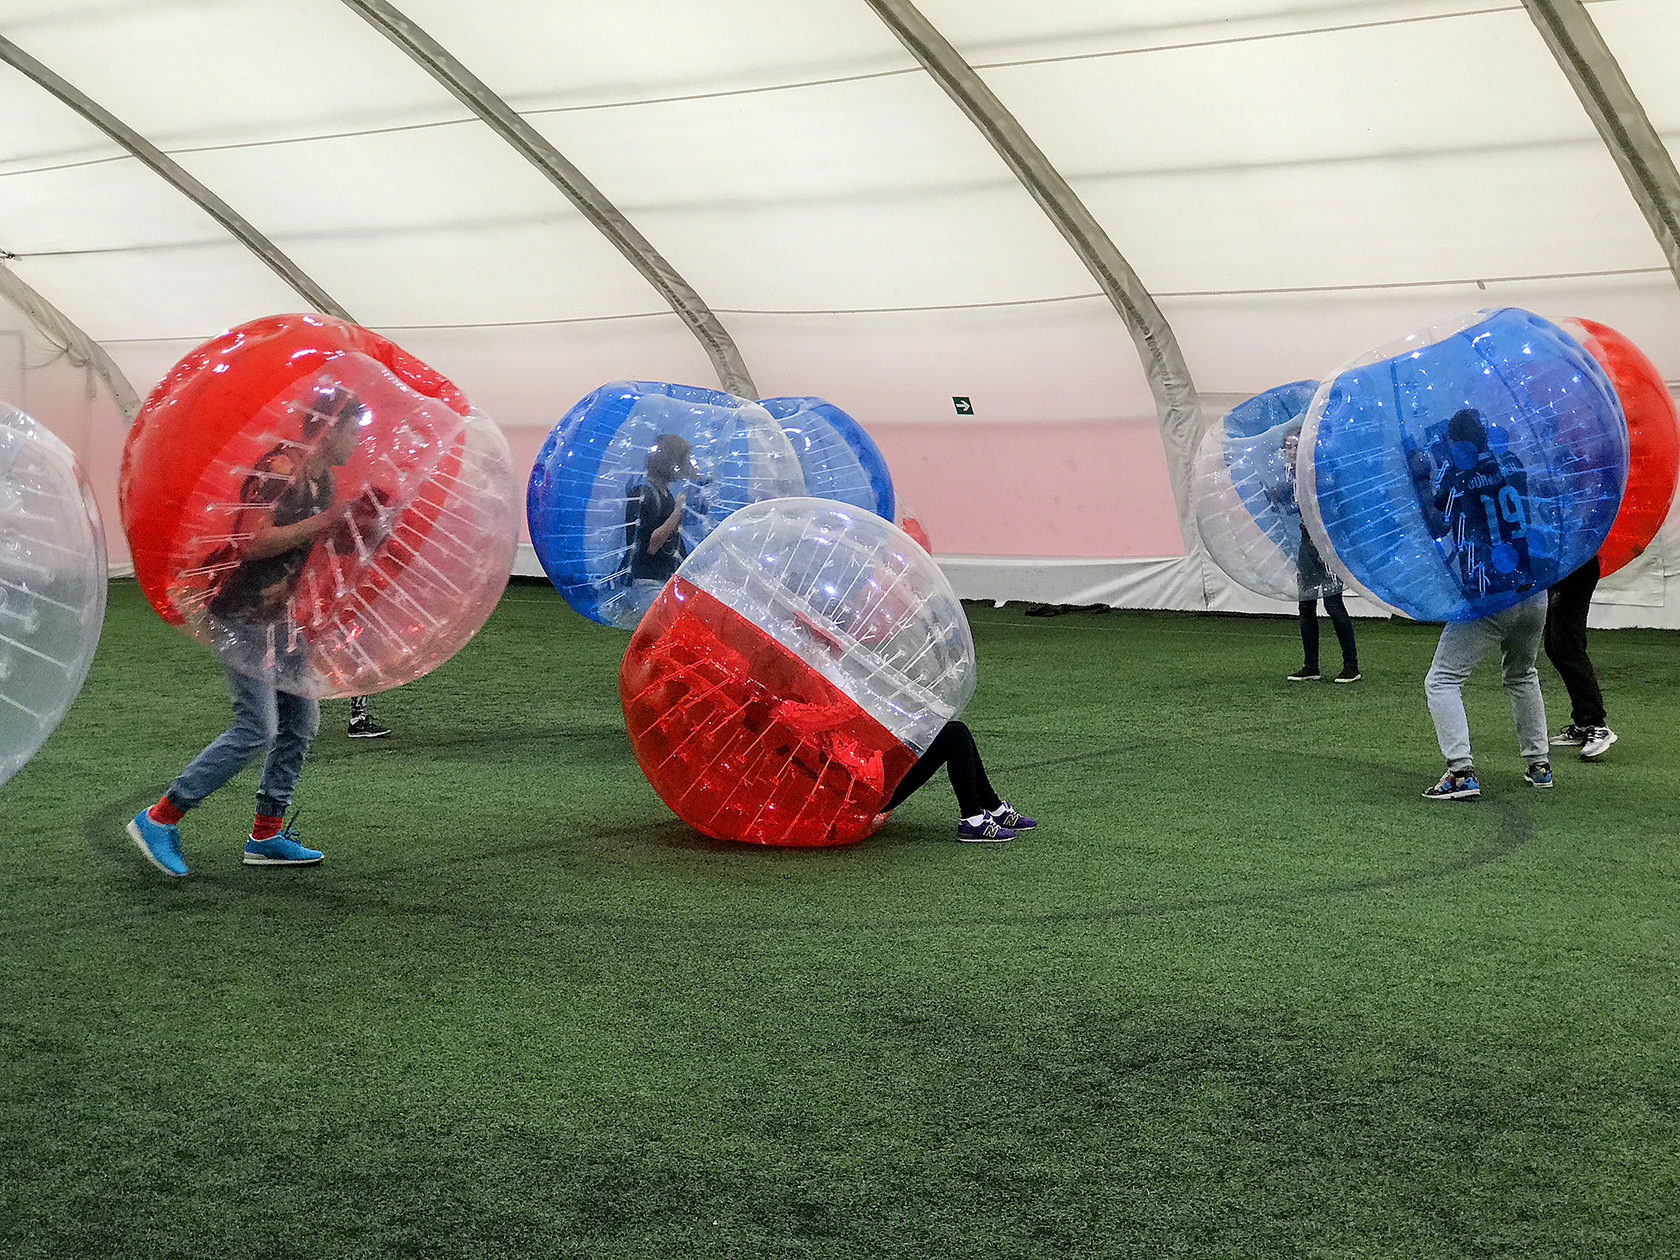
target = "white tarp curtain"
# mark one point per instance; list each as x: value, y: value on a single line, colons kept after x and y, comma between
x: 1295, y: 180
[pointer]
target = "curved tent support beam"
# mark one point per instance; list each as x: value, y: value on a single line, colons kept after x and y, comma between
x: 171, y: 171
x: 82, y: 350
x: 1592, y: 71
x: 1176, y: 404
x: 501, y: 118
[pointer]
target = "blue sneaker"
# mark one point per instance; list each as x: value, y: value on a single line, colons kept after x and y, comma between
x: 1006, y: 815
x: 1539, y: 774
x: 1455, y: 785
x: 159, y: 842
x: 280, y: 850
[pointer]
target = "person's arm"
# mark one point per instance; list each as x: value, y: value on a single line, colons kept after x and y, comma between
x: 661, y: 534
x: 1445, y: 486
x: 270, y: 539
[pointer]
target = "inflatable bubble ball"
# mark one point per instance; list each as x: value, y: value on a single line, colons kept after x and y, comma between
x: 911, y: 524
x: 319, y: 508
x: 791, y: 673
x: 52, y: 585
x: 839, y: 460
x: 1245, y: 498
x: 1464, y: 469
x: 634, y: 476
x: 1653, y: 441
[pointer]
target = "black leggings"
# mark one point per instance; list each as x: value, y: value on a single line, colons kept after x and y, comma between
x: 1566, y: 643
x: 954, y: 749
x: 1337, y: 611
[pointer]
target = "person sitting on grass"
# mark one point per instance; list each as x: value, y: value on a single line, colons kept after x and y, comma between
x: 985, y: 816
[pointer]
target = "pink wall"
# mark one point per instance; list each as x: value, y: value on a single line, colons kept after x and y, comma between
x: 1077, y: 488
x: 1080, y: 488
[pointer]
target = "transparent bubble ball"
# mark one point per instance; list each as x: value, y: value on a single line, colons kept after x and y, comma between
x: 52, y: 585
x: 274, y: 423
x: 590, y: 490
x: 839, y: 459
x: 1245, y: 497
x: 790, y: 674
x: 1465, y: 468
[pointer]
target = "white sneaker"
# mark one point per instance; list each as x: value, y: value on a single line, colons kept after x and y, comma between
x: 1597, y: 742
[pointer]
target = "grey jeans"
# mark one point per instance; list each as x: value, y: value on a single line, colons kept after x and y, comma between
x: 279, y: 722
x: 1516, y: 632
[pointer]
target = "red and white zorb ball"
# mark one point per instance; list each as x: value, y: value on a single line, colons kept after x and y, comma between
x: 317, y: 507
x: 802, y: 658
x: 52, y: 585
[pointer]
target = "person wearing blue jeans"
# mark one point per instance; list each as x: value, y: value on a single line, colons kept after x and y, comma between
x: 288, y: 502
x: 1516, y: 633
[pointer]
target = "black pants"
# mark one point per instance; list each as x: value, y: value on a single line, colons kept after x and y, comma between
x: 954, y: 749
x: 1567, y: 605
x: 1337, y: 611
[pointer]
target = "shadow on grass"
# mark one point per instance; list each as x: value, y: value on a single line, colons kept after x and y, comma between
x: 1512, y: 827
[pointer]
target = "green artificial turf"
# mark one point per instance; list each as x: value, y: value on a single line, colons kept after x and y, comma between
x: 1242, y: 993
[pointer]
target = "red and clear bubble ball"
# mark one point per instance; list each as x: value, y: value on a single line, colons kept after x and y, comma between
x: 406, y: 493
x: 802, y: 658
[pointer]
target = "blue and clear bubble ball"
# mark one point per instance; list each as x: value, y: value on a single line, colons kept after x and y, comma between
x: 1245, y: 497
x: 1466, y: 468
x: 634, y: 476
x: 839, y: 459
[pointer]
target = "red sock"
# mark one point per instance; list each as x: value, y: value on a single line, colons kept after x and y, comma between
x: 165, y: 812
x: 265, y: 826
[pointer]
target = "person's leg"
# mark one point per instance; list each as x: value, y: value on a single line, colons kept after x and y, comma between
x: 923, y: 769
x: 1568, y: 604
x: 155, y: 830
x: 1308, y: 610
x: 954, y: 749
x: 299, y: 718
x: 1520, y: 632
x: 968, y: 776
x: 255, y: 721
x: 1462, y: 646
x: 1337, y: 611
x: 362, y: 725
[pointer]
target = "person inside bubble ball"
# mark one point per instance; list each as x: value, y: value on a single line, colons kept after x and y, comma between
x: 654, y: 512
x: 1481, y: 494
x: 1313, y: 578
x: 984, y: 816
x: 288, y: 502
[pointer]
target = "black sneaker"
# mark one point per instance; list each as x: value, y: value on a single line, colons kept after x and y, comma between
x: 1307, y: 673
x: 365, y: 727
x: 1539, y: 775
x: 1348, y: 675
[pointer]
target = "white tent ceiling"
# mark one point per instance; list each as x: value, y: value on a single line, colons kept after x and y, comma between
x: 1292, y: 180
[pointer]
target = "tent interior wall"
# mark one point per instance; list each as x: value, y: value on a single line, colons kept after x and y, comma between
x: 1294, y: 181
